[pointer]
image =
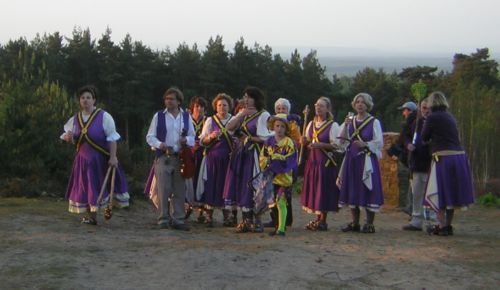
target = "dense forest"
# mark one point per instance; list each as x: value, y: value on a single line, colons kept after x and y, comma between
x: 39, y: 79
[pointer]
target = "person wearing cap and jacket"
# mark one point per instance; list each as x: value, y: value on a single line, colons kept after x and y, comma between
x: 409, y: 112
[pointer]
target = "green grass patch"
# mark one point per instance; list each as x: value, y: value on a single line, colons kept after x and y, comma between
x: 489, y: 199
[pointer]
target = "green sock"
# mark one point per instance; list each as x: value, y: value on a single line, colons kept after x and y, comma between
x: 282, y: 214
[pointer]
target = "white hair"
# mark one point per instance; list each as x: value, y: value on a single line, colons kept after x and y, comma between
x: 284, y: 102
x: 367, y: 99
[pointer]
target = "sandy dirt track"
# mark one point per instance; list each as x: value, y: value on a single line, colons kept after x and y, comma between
x: 44, y: 247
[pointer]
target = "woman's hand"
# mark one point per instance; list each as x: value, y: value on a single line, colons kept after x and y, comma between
x: 248, y: 111
x: 410, y: 147
x: 303, y: 140
x: 213, y: 135
x: 113, y: 161
x: 68, y: 136
x: 316, y: 145
x: 360, y: 144
x: 338, y: 182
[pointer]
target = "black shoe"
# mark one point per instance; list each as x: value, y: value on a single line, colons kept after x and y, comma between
x: 368, y: 229
x: 180, y: 227
x: 322, y: 226
x: 242, y: 227
x: 89, y: 221
x: 351, y: 227
x: 257, y: 228
x: 439, y: 231
x: 189, y: 211
x: 312, y: 225
x: 411, y: 228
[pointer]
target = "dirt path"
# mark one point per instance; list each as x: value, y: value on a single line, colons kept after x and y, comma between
x: 44, y: 247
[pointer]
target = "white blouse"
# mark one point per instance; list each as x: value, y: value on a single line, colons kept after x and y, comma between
x: 335, y: 130
x: 108, y: 124
x: 207, y: 127
x: 376, y: 144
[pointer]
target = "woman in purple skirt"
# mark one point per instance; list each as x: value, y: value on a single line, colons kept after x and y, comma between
x: 218, y: 144
x: 93, y: 131
x: 359, y: 178
x: 319, y: 192
x: 244, y: 164
x: 450, y: 181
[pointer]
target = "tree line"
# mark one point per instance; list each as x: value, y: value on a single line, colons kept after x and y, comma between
x: 39, y: 79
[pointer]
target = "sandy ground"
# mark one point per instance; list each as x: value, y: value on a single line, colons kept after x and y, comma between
x: 44, y: 247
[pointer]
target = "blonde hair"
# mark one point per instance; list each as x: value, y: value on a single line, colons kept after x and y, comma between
x: 222, y: 96
x: 367, y: 99
x: 328, y: 106
x: 437, y: 99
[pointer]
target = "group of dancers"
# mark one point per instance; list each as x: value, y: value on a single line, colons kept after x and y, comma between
x: 246, y: 160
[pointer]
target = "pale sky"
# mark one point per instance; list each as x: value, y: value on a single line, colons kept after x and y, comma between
x: 422, y: 26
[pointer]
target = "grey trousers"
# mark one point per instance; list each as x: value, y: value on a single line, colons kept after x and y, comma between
x: 418, y: 183
x: 171, y: 190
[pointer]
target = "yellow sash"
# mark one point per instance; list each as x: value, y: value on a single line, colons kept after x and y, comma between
x: 357, y: 131
x: 84, y: 135
x: 224, y: 132
x: 198, y: 125
x: 244, y: 127
x: 315, y: 134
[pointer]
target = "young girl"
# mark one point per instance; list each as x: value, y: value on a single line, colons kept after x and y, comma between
x: 279, y: 156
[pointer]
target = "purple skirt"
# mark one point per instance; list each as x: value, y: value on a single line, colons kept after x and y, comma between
x: 353, y: 192
x: 217, y: 163
x: 237, y: 190
x: 454, y: 181
x: 87, y: 176
x: 319, y: 191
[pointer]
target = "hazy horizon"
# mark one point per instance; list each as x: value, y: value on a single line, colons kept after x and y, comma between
x: 373, y: 27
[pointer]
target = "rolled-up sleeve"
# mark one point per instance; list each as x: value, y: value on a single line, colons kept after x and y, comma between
x: 109, y: 127
x: 377, y: 143
x: 151, y: 138
x: 262, y: 130
x: 68, y: 127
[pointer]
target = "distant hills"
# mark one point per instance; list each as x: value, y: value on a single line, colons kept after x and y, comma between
x: 345, y: 61
x: 350, y: 65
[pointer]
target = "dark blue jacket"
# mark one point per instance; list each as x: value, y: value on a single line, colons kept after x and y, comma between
x: 440, y: 128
